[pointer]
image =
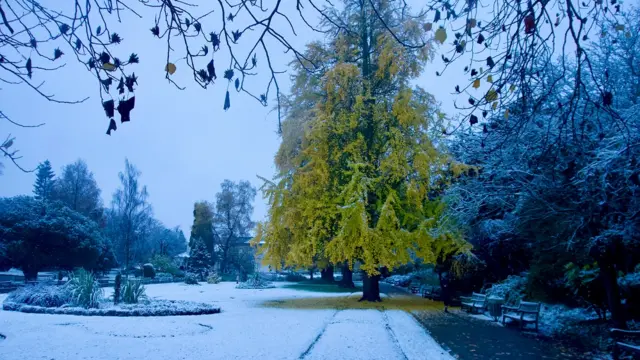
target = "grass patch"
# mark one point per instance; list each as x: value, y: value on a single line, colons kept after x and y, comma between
x: 321, y: 287
x: 406, y: 303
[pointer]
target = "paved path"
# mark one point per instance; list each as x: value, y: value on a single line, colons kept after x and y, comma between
x: 466, y: 337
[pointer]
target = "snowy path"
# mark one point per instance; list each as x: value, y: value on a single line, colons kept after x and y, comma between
x: 243, y: 330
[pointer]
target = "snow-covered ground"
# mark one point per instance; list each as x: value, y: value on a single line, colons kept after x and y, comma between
x: 244, y: 330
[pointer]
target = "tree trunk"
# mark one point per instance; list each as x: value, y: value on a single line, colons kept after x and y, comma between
x: 610, y: 279
x: 30, y: 274
x: 347, y: 277
x: 326, y: 274
x: 370, y: 288
x: 310, y: 274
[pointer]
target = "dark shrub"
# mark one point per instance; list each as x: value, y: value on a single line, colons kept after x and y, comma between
x: 116, y: 288
x: 191, y: 279
x: 148, y: 271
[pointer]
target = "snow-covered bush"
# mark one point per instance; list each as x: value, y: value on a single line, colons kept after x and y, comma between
x: 190, y: 279
x: 213, y: 278
x: 148, y: 271
x: 255, y: 282
x: 85, y: 290
x: 41, y: 295
x: 512, y: 289
x: 133, y: 291
x: 154, y: 308
x: 399, y: 280
x: 164, y: 277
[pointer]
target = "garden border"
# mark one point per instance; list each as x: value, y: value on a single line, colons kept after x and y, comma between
x: 204, y: 310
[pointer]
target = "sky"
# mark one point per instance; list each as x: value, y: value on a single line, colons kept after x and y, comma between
x: 182, y: 141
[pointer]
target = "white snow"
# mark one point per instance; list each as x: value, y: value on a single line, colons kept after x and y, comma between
x: 244, y: 330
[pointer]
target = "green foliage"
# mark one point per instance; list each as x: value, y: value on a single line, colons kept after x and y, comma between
x: 39, y: 234
x: 163, y: 263
x: 85, y: 290
x: 117, y: 288
x: 191, y: 279
x: 202, y: 228
x: 133, y: 291
x: 148, y: 271
x: 213, y: 278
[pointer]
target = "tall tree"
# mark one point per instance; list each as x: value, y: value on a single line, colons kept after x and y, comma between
x: 39, y: 234
x: 45, y: 179
x: 232, y: 219
x: 366, y: 181
x: 199, y: 258
x: 202, y: 228
x: 78, y: 190
x: 131, y: 212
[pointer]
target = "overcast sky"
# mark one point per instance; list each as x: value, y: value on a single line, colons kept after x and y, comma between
x: 183, y: 142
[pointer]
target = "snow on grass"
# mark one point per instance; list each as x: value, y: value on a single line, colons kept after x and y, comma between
x: 243, y: 330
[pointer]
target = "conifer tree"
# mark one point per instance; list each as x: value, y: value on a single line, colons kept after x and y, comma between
x: 45, y: 178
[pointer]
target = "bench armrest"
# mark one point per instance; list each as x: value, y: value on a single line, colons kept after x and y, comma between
x: 465, y: 298
x: 529, y: 311
x: 510, y: 308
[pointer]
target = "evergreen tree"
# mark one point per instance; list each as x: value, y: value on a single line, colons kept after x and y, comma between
x: 199, y: 258
x: 43, y: 188
x: 202, y: 228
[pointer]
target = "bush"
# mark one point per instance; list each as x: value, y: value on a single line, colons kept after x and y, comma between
x: 163, y: 263
x: 213, y: 278
x: 399, y: 280
x: 191, y: 279
x: 512, y: 289
x: 255, y: 282
x: 164, y: 277
x: 85, y: 290
x: 133, y: 291
x: 41, y: 295
x: 148, y: 271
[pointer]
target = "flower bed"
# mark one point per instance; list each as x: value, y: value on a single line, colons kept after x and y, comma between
x: 153, y: 308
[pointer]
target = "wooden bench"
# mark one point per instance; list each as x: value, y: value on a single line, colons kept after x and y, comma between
x: 475, y: 302
x: 621, y: 344
x: 525, y: 312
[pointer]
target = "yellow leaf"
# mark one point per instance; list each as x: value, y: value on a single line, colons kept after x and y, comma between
x: 492, y: 95
x: 170, y: 68
x: 427, y: 26
x: 506, y: 114
x: 441, y: 35
x: 490, y: 78
x: 472, y: 23
x: 476, y: 84
x: 512, y: 88
x: 494, y: 105
x: 109, y: 66
x: 620, y: 27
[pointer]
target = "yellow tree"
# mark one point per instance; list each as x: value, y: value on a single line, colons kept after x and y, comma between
x: 364, y: 186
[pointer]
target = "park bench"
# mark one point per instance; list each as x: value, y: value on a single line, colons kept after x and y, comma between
x: 414, y: 286
x: 525, y: 312
x: 475, y: 302
x: 431, y: 292
x: 621, y: 344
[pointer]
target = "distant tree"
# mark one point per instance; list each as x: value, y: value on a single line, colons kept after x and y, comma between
x: 45, y: 178
x: 78, y: 190
x: 167, y: 242
x: 199, y: 258
x: 130, y: 213
x: 232, y: 219
x: 39, y: 234
x: 202, y: 227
